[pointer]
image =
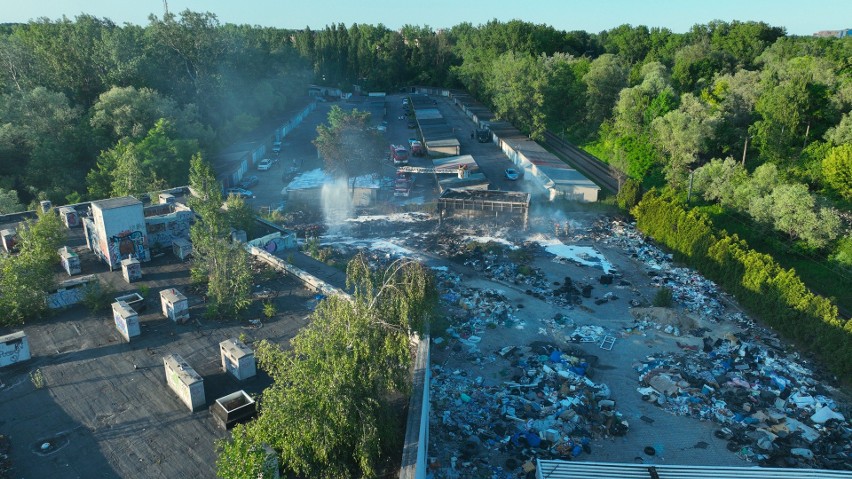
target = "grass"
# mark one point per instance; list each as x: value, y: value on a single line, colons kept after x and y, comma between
x: 814, y: 272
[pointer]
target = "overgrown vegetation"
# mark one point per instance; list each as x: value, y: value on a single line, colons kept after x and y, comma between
x: 329, y: 412
x: 224, y: 265
x: 27, y: 277
x: 775, y: 295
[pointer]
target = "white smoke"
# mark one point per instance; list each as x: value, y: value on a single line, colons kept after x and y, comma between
x: 337, y: 204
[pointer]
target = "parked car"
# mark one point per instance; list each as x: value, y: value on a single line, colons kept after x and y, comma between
x: 240, y: 192
x: 512, y: 174
x: 264, y: 164
x: 248, y: 182
x: 276, y: 147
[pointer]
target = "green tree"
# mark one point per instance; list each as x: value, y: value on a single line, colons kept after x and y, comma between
x: 39, y: 142
x: 9, y: 202
x: 629, y: 194
x: 606, y: 77
x: 719, y: 181
x: 225, y: 266
x: 240, y: 215
x: 131, y: 113
x: 26, y: 278
x: 329, y: 413
x: 684, y: 134
x: 347, y: 144
x: 837, y: 170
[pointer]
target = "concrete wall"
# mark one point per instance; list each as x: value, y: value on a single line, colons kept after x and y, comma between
x: 120, y: 233
x: 164, y: 229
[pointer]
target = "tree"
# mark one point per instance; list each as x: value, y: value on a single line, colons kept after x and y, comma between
x: 684, y: 134
x: 606, y: 77
x: 842, y: 133
x: 328, y: 412
x: 26, y: 278
x: 515, y: 86
x: 39, y: 142
x: 837, y: 169
x: 240, y: 215
x: 225, y: 266
x: 790, y: 208
x: 134, y: 166
x: 719, y: 181
x: 348, y: 147
x: 131, y: 113
x: 9, y: 202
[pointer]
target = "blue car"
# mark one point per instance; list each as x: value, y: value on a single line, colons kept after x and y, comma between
x: 512, y: 174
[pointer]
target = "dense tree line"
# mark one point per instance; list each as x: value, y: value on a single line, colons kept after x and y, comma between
x: 85, y: 102
x: 89, y: 108
x: 774, y: 294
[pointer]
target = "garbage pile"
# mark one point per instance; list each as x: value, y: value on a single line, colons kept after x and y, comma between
x: 696, y: 293
x: 546, y: 407
x: 772, y: 410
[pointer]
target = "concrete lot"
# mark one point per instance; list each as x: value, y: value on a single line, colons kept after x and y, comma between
x: 105, y: 407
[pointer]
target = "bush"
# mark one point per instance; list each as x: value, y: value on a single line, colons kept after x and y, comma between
x: 663, y: 298
x: 98, y: 297
x: 629, y: 194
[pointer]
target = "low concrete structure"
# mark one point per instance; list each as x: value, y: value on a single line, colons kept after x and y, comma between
x: 70, y: 292
x: 69, y: 216
x: 126, y: 320
x: 70, y: 261
x: 181, y: 248
x: 233, y: 408
x: 184, y: 381
x: 174, y: 305
x: 14, y: 348
x: 131, y: 269
x: 237, y: 359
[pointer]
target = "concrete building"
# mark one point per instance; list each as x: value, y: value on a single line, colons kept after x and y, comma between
x: 117, y: 230
x: 184, y: 381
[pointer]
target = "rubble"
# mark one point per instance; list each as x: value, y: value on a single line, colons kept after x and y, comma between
x: 546, y: 407
x: 772, y: 410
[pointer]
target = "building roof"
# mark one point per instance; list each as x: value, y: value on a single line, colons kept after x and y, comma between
x: 119, y: 202
x: 555, y: 469
x: 185, y: 373
x: 172, y: 295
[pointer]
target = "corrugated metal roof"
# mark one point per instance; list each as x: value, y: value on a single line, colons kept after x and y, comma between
x: 548, y: 469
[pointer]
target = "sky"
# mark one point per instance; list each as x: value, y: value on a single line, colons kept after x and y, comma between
x: 799, y: 17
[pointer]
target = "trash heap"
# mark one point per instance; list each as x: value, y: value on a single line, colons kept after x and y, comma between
x: 470, y: 311
x: 546, y: 407
x: 772, y: 410
x: 696, y: 293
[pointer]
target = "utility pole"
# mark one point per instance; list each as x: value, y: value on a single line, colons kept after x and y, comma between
x: 745, y: 148
x: 165, y: 8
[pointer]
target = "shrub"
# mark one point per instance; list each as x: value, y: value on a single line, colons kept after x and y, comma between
x: 663, y: 298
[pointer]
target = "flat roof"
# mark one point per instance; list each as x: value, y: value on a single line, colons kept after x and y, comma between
x: 487, y: 195
x: 235, y: 348
x: 172, y: 295
x: 111, y: 397
x: 119, y: 202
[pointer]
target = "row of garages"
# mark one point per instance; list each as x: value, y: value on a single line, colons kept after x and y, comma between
x: 438, y: 137
x: 557, y: 178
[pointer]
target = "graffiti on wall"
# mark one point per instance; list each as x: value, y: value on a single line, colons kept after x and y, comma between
x: 126, y: 244
x: 163, y: 232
